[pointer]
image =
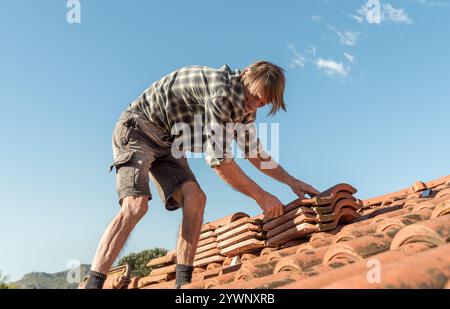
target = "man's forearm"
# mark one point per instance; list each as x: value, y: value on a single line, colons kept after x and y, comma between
x: 232, y: 174
x: 277, y: 172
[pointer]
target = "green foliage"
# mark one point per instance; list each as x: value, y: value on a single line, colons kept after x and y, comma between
x: 138, y: 261
x: 4, y: 284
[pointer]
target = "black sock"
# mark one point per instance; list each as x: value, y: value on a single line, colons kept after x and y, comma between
x: 95, y: 280
x: 184, y: 274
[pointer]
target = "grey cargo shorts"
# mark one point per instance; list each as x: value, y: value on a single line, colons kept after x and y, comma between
x: 139, y: 155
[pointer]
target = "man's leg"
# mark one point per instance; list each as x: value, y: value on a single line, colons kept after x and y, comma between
x: 193, y: 201
x: 132, y: 210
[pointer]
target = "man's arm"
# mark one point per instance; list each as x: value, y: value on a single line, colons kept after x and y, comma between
x: 232, y: 174
x: 271, y: 168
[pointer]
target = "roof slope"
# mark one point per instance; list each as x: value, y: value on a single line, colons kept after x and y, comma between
x: 399, y: 240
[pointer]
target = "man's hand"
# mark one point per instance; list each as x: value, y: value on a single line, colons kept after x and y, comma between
x: 300, y: 188
x: 271, y: 205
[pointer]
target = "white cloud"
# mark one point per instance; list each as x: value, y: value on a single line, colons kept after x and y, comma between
x: 347, y: 37
x: 332, y: 68
x: 349, y: 57
x: 316, y: 18
x: 389, y: 13
x: 382, y: 13
x: 296, y: 59
x: 358, y: 18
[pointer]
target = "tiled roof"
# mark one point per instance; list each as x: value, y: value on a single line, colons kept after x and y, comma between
x: 398, y: 240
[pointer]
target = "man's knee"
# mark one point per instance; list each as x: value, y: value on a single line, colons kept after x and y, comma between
x: 193, y: 196
x: 134, y: 207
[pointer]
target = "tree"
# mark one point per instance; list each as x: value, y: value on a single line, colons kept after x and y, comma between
x: 138, y: 261
x: 3, y: 282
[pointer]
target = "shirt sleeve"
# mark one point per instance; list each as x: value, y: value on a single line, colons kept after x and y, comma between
x: 247, y: 140
x: 219, y: 127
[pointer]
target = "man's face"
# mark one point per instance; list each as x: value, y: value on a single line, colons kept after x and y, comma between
x: 254, y: 101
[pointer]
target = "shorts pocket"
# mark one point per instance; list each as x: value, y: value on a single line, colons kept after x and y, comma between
x: 121, y: 159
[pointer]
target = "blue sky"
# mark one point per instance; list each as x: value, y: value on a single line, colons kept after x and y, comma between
x: 368, y: 104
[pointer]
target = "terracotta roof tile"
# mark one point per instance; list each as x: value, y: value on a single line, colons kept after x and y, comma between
x: 118, y: 277
x: 169, y: 258
x: 327, y: 242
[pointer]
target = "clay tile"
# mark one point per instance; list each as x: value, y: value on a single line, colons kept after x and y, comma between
x: 415, y: 233
x: 266, y: 251
x: 133, y: 283
x: 441, y: 210
x: 243, y: 246
x: 419, y: 186
x: 286, y: 264
x: 442, y: 193
x: 331, y: 192
x: 422, y: 205
x: 229, y: 219
x: 346, y: 215
x: 304, y: 247
x: 244, y: 274
x: 430, y: 270
x: 390, y: 209
x: 390, y: 224
x: 302, y: 218
x: 206, y: 261
x: 117, y: 277
x: 336, y: 206
x: 308, y: 258
x: 344, y: 236
x: 339, y: 252
x: 215, y: 282
x: 169, y: 258
x: 387, y: 202
x: 248, y: 256
x: 298, y: 231
x: 411, y: 203
x: 274, y: 256
x: 291, y: 215
x: 208, y: 227
x: 358, y: 248
x: 320, y: 239
x: 163, y: 270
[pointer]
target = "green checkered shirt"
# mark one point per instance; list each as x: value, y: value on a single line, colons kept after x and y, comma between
x: 213, y: 96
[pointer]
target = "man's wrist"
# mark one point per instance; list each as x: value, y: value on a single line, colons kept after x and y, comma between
x: 258, y: 195
x: 290, y: 181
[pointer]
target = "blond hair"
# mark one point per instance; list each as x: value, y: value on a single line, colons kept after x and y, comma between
x: 268, y: 78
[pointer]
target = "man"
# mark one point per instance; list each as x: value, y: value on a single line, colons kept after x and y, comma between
x: 143, y: 141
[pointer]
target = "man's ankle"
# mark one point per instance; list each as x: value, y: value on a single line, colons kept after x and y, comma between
x: 183, y: 274
x: 95, y: 280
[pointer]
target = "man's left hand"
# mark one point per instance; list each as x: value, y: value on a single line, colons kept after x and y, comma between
x: 300, y: 188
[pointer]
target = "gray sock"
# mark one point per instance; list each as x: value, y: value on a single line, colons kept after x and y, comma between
x: 184, y: 274
x: 95, y: 280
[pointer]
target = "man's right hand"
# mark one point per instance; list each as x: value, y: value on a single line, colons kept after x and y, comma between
x: 271, y: 205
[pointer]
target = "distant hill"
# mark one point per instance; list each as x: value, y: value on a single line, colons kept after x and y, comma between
x: 41, y: 280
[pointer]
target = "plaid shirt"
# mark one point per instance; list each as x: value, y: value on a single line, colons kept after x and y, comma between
x: 195, y: 95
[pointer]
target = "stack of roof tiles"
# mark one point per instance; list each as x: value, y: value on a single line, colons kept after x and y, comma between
x: 164, y: 271
x: 322, y: 213
x: 243, y: 235
x: 399, y: 240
